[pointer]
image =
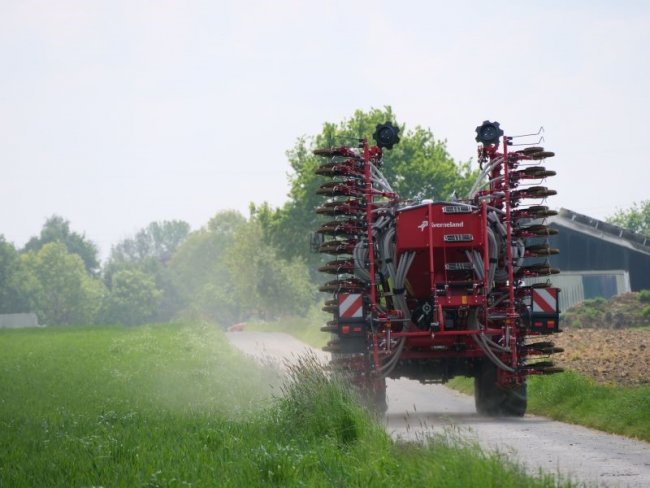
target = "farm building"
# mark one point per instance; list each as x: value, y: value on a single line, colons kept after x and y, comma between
x: 606, y: 259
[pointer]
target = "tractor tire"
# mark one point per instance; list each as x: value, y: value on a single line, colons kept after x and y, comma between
x: 377, y: 397
x: 495, y: 401
x: 354, y: 362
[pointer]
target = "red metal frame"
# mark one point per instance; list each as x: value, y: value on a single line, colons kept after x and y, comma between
x: 434, y: 266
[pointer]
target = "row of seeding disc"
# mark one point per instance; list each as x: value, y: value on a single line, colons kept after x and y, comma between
x: 346, y: 205
x: 529, y: 220
x: 529, y: 230
x: 529, y: 227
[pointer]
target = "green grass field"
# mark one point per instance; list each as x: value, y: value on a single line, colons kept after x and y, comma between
x: 168, y: 406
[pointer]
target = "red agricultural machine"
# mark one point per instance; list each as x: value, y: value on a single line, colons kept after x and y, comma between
x: 429, y: 290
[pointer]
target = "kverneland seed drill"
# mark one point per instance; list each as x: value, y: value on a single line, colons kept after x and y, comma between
x: 430, y: 289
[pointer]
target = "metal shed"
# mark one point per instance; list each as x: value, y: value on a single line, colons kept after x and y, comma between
x: 588, y: 244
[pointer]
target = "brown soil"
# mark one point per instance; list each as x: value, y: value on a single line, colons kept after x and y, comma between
x: 608, y: 340
x: 620, y: 356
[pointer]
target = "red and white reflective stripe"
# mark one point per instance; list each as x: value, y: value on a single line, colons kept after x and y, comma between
x: 545, y: 300
x: 350, y: 306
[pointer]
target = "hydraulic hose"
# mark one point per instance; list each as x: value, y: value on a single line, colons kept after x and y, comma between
x: 486, y: 344
x: 478, y: 183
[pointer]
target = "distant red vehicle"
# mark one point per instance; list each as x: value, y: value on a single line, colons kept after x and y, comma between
x: 239, y: 327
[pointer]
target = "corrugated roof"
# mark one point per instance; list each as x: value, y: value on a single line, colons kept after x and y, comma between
x: 602, y: 230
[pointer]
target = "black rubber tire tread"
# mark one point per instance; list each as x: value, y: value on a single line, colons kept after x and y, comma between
x: 372, y: 392
x: 492, y: 400
x: 377, y: 398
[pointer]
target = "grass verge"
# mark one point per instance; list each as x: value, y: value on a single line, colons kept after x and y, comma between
x: 168, y: 406
x: 571, y: 397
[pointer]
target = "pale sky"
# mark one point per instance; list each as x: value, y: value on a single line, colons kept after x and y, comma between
x: 115, y: 114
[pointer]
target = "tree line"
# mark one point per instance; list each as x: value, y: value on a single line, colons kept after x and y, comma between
x: 234, y: 267
x: 223, y: 272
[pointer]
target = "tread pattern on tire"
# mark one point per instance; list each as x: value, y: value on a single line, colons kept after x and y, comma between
x: 495, y: 401
x: 372, y: 392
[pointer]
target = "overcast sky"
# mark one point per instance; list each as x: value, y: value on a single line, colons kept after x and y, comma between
x: 119, y: 113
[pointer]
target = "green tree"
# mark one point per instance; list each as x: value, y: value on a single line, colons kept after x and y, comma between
x: 419, y: 166
x: 157, y: 242
x: 57, y: 229
x: 58, y: 286
x: 228, y: 272
x: 635, y: 218
x: 265, y: 284
x: 199, y: 273
x: 12, y: 298
x: 149, y: 251
x: 133, y: 298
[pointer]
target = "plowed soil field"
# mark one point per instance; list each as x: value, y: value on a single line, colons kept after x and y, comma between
x: 615, y: 356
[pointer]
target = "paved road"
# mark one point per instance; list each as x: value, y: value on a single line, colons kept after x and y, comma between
x: 416, y: 410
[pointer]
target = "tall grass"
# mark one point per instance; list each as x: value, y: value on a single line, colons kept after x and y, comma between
x: 340, y: 444
x: 167, y: 406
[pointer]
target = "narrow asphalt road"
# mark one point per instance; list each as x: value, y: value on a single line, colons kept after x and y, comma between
x: 415, y: 410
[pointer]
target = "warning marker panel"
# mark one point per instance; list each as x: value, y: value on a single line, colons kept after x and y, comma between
x: 350, y: 306
x: 545, y: 300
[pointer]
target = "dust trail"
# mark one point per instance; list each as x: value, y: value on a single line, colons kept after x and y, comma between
x: 274, y: 347
x: 191, y: 369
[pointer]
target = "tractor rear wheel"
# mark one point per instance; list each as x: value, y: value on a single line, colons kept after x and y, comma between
x: 354, y: 362
x: 493, y: 400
